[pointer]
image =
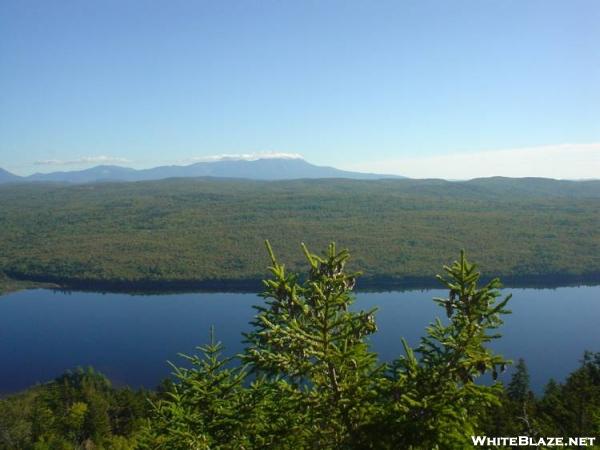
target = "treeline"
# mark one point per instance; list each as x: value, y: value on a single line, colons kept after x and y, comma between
x: 78, y: 410
x: 81, y: 410
x: 308, y: 379
x: 570, y: 409
x: 203, y: 233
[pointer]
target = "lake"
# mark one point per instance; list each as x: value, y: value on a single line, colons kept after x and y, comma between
x: 130, y: 337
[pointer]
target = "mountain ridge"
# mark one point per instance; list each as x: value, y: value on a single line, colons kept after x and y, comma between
x: 8, y: 177
x: 259, y: 169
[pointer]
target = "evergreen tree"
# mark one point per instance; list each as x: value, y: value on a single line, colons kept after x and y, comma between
x: 307, y: 335
x: 206, y: 408
x: 574, y: 407
x: 517, y: 416
x: 435, y: 402
x: 518, y: 388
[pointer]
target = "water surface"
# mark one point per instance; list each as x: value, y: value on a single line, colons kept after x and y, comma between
x: 130, y: 337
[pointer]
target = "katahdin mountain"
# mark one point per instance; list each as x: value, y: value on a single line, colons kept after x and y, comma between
x: 258, y: 169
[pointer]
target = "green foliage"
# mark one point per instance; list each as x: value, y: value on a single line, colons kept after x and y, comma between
x: 514, y: 416
x: 204, y: 408
x: 574, y: 407
x: 518, y: 388
x: 77, y: 410
x: 307, y: 335
x: 435, y: 393
x: 312, y: 382
x: 568, y: 409
x: 205, y: 232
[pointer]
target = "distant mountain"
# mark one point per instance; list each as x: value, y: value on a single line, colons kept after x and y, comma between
x: 98, y: 173
x: 7, y: 177
x: 259, y: 169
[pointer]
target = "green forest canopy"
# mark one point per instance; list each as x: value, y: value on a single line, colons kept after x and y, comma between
x: 207, y: 230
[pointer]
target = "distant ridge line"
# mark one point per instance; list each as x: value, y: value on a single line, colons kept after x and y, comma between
x: 283, y: 168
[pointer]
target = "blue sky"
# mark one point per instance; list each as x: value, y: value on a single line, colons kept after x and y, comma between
x: 422, y: 88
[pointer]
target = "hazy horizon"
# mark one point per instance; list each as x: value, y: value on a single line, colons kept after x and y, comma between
x: 60, y: 166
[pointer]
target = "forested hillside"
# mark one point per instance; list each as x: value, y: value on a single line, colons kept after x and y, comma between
x: 191, y: 233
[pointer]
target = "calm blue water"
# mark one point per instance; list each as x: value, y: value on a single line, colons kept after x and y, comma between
x: 130, y: 338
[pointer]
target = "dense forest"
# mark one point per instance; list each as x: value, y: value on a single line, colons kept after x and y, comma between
x: 203, y: 233
x: 308, y: 379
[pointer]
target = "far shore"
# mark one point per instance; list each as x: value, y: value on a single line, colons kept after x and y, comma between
x: 364, y: 284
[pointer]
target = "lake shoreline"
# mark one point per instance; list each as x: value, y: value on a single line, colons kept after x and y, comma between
x: 254, y: 285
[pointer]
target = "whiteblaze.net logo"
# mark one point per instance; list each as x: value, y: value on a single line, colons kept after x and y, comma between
x: 526, y: 441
